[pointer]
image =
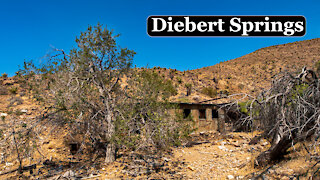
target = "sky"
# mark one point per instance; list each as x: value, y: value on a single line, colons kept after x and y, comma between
x: 29, y: 29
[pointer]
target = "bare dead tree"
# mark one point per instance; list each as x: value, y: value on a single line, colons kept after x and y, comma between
x: 19, y: 140
x: 288, y: 112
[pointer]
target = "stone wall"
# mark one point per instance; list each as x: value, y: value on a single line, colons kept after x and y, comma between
x: 209, y: 123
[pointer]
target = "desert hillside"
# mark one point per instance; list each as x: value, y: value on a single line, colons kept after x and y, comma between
x: 207, y: 155
x: 248, y: 74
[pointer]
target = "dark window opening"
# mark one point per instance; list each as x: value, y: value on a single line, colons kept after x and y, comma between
x: 186, y: 113
x: 74, y: 147
x: 202, y: 114
x: 215, y: 113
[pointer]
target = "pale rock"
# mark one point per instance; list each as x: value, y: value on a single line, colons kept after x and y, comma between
x: 24, y: 110
x: 166, y: 159
x: 69, y: 173
x: 9, y: 164
x: 230, y: 177
x: 3, y: 114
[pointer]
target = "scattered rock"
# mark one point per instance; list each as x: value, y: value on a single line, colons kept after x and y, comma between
x: 9, y: 164
x: 68, y: 174
x: 230, y: 177
x: 166, y: 159
x: 3, y: 114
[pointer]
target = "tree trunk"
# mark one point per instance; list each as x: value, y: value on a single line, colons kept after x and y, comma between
x: 275, y: 152
x: 110, y: 153
x: 110, y: 149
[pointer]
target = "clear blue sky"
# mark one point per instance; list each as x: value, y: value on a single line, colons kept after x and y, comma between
x: 30, y: 28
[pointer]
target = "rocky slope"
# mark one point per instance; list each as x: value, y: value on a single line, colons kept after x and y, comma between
x: 215, y: 156
x: 247, y: 74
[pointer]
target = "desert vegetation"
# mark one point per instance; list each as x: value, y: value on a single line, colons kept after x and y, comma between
x: 89, y: 108
x: 287, y: 113
x: 102, y: 103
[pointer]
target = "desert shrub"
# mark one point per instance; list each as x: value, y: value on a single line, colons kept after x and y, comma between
x: 15, y: 101
x: 184, y: 100
x: 3, y: 90
x: 13, y: 90
x: 209, y: 91
x: 240, y: 86
x: 148, y: 116
x: 189, y: 88
x: 4, y: 75
x: 172, y: 74
x: 19, y: 141
x: 179, y: 80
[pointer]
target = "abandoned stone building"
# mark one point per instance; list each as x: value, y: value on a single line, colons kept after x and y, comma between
x: 207, y: 117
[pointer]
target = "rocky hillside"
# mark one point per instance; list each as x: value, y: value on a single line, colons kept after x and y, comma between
x: 247, y: 74
x: 214, y: 156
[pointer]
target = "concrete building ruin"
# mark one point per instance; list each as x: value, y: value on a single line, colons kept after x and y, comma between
x: 207, y: 117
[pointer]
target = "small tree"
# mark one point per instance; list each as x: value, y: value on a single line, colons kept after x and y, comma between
x: 94, y: 91
x: 146, y: 119
x: 189, y: 88
x: 84, y: 85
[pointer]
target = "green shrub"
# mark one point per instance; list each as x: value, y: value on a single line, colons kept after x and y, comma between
x: 240, y: 86
x: 189, y: 88
x: 209, y: 91
x: 179, y: 80
x: 13, y: 90
x: 245, y: 107
x: 184, y: 100
x: 4, y: 75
